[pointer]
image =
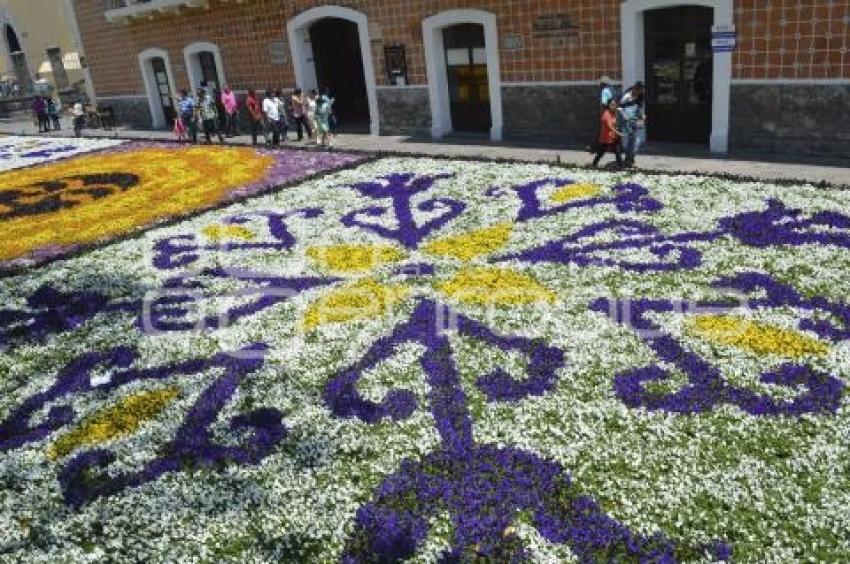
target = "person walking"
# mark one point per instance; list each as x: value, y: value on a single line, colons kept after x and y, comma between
x: 53, y: 109
x: 632, y: 110
x: 187, y: 105
x: 283, y: 115
x: 255, y: 116
x: 609, y: 137
x: 299, y: 115
x: 272, y: 114
x: 79, y: 118
x: 311, y: 113
x: 221, y: 119
x: 231, y: 105
x: 209, y: 116
x: 39, y: 110
x: 324, y: 110
x: 180, y: 130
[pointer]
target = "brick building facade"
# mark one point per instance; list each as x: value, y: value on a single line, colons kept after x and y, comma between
x: 510, y: 68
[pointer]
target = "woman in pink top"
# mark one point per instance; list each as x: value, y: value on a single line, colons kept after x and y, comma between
x: 228, y: 100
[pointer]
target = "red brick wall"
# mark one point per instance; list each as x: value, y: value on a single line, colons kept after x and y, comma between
x: 797, y: 39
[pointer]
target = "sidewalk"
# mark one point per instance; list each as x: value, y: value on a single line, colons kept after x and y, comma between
x: 686, y: 159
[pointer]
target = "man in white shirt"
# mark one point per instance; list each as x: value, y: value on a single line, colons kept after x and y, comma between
x: 272, y: 112
x: 79, y: 118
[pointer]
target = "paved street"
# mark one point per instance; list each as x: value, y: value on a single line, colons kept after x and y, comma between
x: 760, y: 167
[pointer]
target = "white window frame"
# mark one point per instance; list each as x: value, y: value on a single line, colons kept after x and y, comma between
x: 633, y: 56
x: 435, y: 63
x: 298, y: 31
x: 193, y: 63
x: 151, y: 87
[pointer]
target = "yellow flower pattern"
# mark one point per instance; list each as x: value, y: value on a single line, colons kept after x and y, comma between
x: 353, y: 258
x: 228, y: 233
x: 365, y: 299
x: 471, y: 245
x: 171, y: 182
x: 566, y: 194
x: 756, y: 337
x: 497, y: 286
x: 123, y: 418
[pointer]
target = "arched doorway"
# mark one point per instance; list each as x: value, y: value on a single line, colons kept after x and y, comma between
x: 204, y: 65
x: 667, y: 44
x: 339, y: 66
x: 462, y: 61
x: 330, y: 47
x: 159, y: 80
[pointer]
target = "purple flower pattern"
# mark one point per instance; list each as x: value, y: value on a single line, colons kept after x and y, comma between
x: 173, y: 310
x: 669, y: 253
x: 192, y: 445
x: 401, y: 189
x: 706, y: 388
x: 50, y: 312
x: 181, y: 251
x: 483, y: 488
x: 627, y: 198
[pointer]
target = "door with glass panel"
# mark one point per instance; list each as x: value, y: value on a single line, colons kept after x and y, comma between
x: 209, y: 71
x: 163, y: 88
x: 679, y: 73
x: 466, y: 70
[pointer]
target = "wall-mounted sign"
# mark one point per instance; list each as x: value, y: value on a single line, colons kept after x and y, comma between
x: 554, y: 25
x: 724, y: 38
x: 395, y: 61
x: 512, y: 42
x: 278, y: 53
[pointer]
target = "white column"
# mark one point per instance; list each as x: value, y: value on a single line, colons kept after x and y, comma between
x: 721, y: 87
x: 438, y: 88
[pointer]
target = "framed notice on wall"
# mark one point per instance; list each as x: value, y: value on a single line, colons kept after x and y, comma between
x: 395, y: 59
x: 278, y: 52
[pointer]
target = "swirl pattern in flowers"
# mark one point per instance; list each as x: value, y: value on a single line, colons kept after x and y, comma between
x: 441, y: 361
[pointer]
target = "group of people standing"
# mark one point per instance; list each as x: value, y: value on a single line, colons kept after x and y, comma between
x: 46, y: 112
x: 622, y: 123
x: 269, y: 115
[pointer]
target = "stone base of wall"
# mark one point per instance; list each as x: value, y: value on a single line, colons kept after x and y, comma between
x: 809, y: 120
x: 564, y: 114
x: 130, y: 111
x: 561, y: 114
x: 404, y: 111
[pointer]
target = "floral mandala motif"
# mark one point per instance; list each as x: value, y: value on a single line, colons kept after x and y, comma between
x: 407, y: 251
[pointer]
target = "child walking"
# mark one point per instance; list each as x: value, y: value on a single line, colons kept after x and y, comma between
x: 324, y: 109
x: 181, y: 132
x: 609, y: 137
x: 53, y: 109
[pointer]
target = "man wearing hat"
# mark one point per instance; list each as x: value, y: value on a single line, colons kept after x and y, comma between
x: 606, y: 91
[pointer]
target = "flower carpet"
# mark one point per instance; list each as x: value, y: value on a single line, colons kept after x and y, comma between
x: 49, y: 210
x: 427, y: 360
